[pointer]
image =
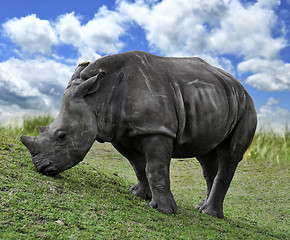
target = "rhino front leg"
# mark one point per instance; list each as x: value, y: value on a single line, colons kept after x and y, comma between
x: 158, y: 151
x: 138, y: 162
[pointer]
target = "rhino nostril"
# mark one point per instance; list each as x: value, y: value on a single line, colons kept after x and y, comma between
x: 41, y: 168
x: 47, y: 169
x: 34, y: 154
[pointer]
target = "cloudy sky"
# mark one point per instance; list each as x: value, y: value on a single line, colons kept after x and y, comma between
x: 41, y: 43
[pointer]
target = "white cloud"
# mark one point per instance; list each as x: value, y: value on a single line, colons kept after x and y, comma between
x: 268, y: 3
x: 172, y: 32
x: 13, y: 114
x: 68, y: 27
x: 37, y: 84
x: 33, y: 84
x: 209, y: 29
x: 71, y: 32
x: 32, y: 34
x: 219, y: 62
x: 247, y: 31
x: 101, y: 34
x: 268, y: 75
x: 216, y: 27
x: 272, y: 117
x: 198, y: 27
x: 272, y: 101
x: 87, y: 54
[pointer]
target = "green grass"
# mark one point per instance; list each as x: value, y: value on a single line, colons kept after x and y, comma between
x: 271, y: 147
x: 92, y: 200
x: 29, y: 126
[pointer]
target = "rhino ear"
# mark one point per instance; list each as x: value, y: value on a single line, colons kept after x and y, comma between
x: 78, y: 70
x: 88, y: 86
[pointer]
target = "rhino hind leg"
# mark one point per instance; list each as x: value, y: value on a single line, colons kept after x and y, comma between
x: 209, y: 164
x: 226, y: 156
x: 138, y: 162
x: 218, y: 184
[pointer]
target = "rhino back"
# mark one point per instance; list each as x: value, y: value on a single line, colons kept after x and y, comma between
x: 185, y: 98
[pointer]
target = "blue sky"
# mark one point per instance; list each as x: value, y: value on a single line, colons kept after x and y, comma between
x: 41, y: 43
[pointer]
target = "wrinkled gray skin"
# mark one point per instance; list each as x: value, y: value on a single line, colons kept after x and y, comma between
x: 152, y: 109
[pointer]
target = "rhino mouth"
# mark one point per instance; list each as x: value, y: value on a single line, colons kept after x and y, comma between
x: 51, y: 172
x: 48, y: 170
x: 45, y: 166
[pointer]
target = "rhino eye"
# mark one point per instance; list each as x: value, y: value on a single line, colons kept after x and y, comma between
x: 61, y: 135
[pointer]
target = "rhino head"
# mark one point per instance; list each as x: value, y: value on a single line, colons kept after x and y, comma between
x: 65, y: 142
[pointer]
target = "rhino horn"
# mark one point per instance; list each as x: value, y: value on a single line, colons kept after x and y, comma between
x: 43, y: 129
x: 30, y: 144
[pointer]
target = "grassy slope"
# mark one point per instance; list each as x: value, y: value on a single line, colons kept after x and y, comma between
x: 92, y: 200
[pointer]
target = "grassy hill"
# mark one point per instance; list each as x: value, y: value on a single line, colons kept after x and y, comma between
x: 93, y: 201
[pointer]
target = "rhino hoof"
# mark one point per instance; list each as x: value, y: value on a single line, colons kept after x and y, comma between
x: 166, y: 205
x: 141, y: 192
x: 211, y: 211
x: 199, y: 206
